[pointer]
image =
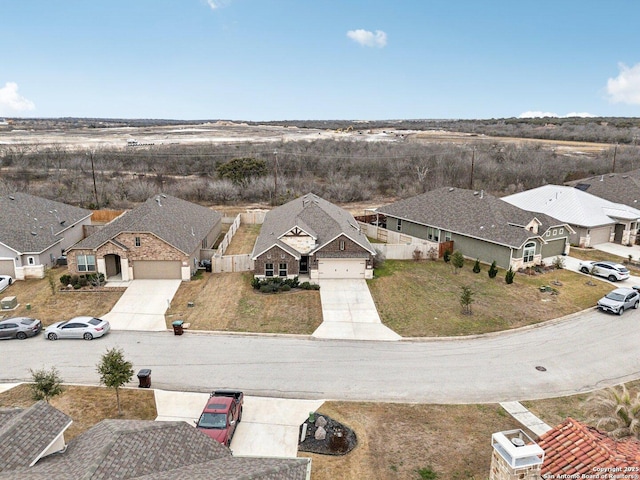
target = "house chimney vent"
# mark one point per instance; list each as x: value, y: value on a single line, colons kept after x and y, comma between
x: 517, y: 441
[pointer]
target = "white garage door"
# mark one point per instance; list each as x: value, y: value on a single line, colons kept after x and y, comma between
x: 7, y: 268
x: 341, y: 268
x: 157, y: 269
x: 599, y: 235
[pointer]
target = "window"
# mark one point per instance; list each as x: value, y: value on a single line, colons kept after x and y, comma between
x: 399, y: 225
x: 282, y: 270
x: 268, y: 269
x: 31, y: 261
x: 137, y: 241
x: 548, y: 234
x: 341, y: 244
x: 433, y: 234
x: 86, y: 263
x: 555, y: 232
x: 560, y: 231
x: 529, y: 252
x: 447, y: 236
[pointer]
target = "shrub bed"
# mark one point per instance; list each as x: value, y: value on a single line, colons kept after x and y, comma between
x: 277, y: 284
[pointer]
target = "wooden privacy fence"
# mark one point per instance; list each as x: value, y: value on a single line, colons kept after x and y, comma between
x: 222, y: 247
x: 232, y: 263
x: 400, y: 246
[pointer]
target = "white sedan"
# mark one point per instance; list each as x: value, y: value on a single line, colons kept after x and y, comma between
x: 78, y: 327
x: 5, y: 281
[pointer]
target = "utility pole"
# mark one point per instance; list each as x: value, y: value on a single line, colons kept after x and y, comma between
x: 613, y: 167
x: 275, y: 179
x: 93, y: 174
x: 473, y: 159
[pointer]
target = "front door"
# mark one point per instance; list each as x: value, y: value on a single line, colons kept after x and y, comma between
x: 304, y: 264
x: 619, y: 230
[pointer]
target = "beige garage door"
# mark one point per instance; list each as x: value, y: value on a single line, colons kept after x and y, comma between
x: 6, y: 268
x: 599, y: 235
x: 341, y: 268
x: 157, y: 269
x: 553, y: 248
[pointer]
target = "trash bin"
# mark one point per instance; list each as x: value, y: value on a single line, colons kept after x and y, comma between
x: 177, y: 327
x: 144, y: 376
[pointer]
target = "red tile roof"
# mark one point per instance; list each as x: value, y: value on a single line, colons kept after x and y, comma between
x: 573, y: 447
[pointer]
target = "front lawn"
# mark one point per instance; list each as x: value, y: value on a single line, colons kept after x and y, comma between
x: 422, y: 299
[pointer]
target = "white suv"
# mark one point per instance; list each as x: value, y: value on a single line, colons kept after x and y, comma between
x: 610, y: 270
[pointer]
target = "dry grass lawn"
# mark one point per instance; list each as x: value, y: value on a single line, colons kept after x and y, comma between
x: 243, y: 240
x: 89, y: 405
x: 417, y: 299
x: 49, y: 307
x: 226, y: 301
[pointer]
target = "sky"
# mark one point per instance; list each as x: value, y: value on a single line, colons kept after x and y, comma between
x: 260, y: 60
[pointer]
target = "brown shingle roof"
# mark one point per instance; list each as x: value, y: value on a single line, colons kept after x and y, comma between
x: 616, y: 187
x: 575, y: 448
x: 474, y: 214
x: 180, y: 223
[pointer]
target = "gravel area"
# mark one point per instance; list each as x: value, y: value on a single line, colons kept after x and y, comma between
x: 339, y: 439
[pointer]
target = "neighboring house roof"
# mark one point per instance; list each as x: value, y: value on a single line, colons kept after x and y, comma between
x: 138, y: 449
x: 470, y: 213
x: 616, y: 187
x: 572, y: 205
x: 575, y: 448
x: 180, y: 223
x: 317, y: 217
x: 30, y: 224
x: 25, y: 434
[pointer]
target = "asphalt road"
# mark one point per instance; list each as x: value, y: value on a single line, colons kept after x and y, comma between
x: 591, y: 350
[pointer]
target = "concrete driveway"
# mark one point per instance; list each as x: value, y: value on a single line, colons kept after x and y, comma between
x: 573, y: 264
x: 143, y: 305
x: 349, y: 313
x: 269, y: 426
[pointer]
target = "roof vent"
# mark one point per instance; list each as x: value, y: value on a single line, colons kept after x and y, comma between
x: 517, y: 441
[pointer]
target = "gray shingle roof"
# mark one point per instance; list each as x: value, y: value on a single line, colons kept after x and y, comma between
x: 22, y: 215
x: 616, y: 187
x: 474, y: 214
x: 146, y: 450
x: 316, y: 216
x: 26, y: 433
x: 180, y: 223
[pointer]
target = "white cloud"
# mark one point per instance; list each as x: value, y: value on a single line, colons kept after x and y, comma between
x: 367, y: 38
x: 537, y: 114
x: 11, y: 101
x: 625, y: 88
x: 215, y: 4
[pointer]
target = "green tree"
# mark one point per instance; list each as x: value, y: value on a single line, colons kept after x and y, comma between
x: 476, y: 266
x: 46, y: 384
x: 615, y: 411
x: 466, y: 299
x: 509, y: 276
x: 457, y: 260
x: 446, y: 256
x: 493, y: 270
x: 241, y: 170
x: 115, y: 371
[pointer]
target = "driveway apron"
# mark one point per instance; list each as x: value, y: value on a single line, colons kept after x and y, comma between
x: 143, y: 305
x: 349, y: 313
x: 269, y: 426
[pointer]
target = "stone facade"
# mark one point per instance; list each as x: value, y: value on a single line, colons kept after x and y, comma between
x: 501, y: 470
x: 276, y: 256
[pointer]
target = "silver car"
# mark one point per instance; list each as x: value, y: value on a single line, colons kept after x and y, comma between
x: 610, y: 270
x: 20, y: 327
x: 619, y: 300
x: 78, y: 327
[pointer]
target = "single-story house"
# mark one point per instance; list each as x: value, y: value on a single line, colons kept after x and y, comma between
x: 159, y: 239
x: 594, y: 219
x: 124, y: 449
x: 480, y: 226
x: 311, y: 236
x: 35, y: 231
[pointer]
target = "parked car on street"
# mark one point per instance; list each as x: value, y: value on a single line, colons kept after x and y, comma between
x: 20, y: 327
x: 5, y: 281
x: 610, y: 270
x: 221, y: 415
x: 78, y: 327
x: 619, y: 300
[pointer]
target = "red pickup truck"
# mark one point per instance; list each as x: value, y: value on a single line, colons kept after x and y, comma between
x: 221, y: 415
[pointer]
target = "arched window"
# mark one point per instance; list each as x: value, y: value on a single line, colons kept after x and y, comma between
x: 529, y: 252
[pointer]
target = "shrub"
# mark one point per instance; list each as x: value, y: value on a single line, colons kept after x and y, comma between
x: 256, y: 283
x: 509, y: 276
x: 74, y: 280
x: 493, y: 270
x: 82, y: 281
x: 285, y: 288
x: 417, y: 255
x: 457, y: 260
x: 65, y: 279
x: 292, y: 282
x: 476, y: 266
x: 76, y: 286
x: 446, y: 256
x: 558, y: 262
x: 268, y: 288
